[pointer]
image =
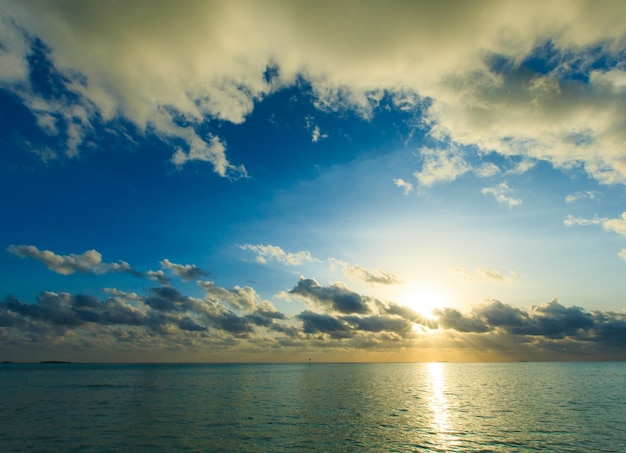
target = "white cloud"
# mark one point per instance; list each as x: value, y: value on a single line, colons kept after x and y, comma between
x: 317, y: 135
x: 183, y: 271
x: 487, y: 170
x: 358, y: 273
x: 88, y: 262
x: 158, y: 276
x: 211, y: 150
x: 576, y: 196
x: 616, y: 225
x: 500, y: 193
x: 571, y: 220
x: 406, y: 187
x: 441, y: 166
x: 522, y: 167
x: 151, y: 63
x: 266, y: 253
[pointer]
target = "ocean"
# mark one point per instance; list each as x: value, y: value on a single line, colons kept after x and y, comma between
x: 403, y: 407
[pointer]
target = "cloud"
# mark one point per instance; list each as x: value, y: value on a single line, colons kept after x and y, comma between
x: 551, y: 320
x: 500, y: 192
x: 570, y: 220
x: 266, y: 253
x: 343, y: 327
x: 358, y: 273
x: 487, y: 170
x: 211, y: 150
x: 230, y: 321
x: 323, y: 323
x: 406, y: 187
x: 163, y: 311
x: 165, y: 68
x: 441, y: 166
x: 243, y: 299
x: 482, y: 273
x: 617, y: 225
x: 317, y: 135
x: 335, y: 297
x: 158, y: 276
x: 522, y: 167
x: 62, y: 309
x: 185, y: 272
x: 576, y: 196
x: 88, y: 262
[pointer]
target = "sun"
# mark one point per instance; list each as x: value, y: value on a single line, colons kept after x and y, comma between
x: 426, y: 299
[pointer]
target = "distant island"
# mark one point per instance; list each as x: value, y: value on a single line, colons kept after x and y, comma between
x: 54, y: 361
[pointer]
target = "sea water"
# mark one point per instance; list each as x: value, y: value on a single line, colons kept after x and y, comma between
x: 473, y: 407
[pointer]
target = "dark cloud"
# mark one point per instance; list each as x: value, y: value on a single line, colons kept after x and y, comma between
x: 378, y: 323
x: 449, y: 318
x: 323, y: 323
x: 232, y: 323
x: 165, y: 317
x: 550, y: 320
x: 336, y: 298
x: 609, y: 328
x: 164, y: 298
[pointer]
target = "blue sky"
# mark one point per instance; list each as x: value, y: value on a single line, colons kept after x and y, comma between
x: 252, y: 181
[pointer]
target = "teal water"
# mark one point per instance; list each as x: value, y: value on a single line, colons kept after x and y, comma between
x: 495, y: 407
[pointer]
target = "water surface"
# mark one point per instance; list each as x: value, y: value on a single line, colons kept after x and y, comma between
x: 495, y: 407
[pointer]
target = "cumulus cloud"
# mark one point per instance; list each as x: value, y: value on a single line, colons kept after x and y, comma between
x: 236, y: 319
x: 441, y: 166
x: 163, y: 311
x: 406, y: 187
x: 335, y: 297
x: 158, y: 276
x: 550, y: 319
x: 617, y: 225
x: 358, y: 273
x: 165, y: 68
x: 185, y: 272
x: 88, y: 262
x: 500, y: 193
x: 266, y: 253
x: 243, y: 299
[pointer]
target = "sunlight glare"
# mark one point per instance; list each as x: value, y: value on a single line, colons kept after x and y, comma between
x: 425, y: 299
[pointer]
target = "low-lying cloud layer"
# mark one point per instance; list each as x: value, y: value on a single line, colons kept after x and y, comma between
x: 334, y: 318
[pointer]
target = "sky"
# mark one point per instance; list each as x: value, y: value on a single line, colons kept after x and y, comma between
x: 215, y: 181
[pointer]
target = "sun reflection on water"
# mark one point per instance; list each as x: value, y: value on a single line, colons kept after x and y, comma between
x: 439, y: 407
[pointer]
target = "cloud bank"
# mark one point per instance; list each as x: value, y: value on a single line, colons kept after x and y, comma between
x: 237, y: 321
x: 166, y: 68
